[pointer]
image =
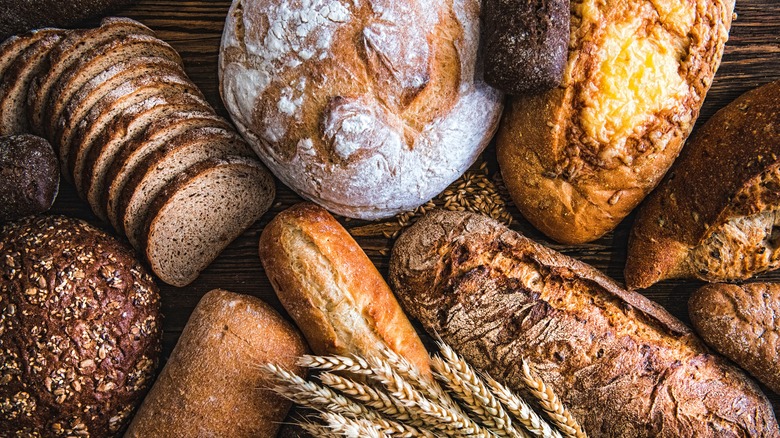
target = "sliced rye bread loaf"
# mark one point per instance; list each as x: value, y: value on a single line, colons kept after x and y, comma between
x: 134, y: 152
x: 114, y: 81
x: 131, y: 125
x: 99, y: 60
x: 70, y: 51
x: 199, y: 213
x: 113, y: 105
x: 165, y: 164
x: 16, y: 81
x: 17, y: 44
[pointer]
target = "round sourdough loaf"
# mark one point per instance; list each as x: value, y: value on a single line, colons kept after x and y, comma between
x: 367, y: 108
x: 79, y: 330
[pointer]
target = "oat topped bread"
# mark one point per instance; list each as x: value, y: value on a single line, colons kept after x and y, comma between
x: 577, y: 159
x: 80, y: 329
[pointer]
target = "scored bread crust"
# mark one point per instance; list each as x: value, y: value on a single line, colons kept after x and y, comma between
x: 740, y: 322
x: 623, y: 365
x: 369, y: 109
x: 576, y: 166
x: 332, y: 289
x: 729, y: 170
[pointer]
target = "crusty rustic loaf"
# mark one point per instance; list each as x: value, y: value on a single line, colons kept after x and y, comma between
x: 577, y: 159
x: 368, y: 108
x: 29, y: 176
x: 741, y: 322
x: 623, y: 365
x: 212, y: 385
x: 332, y: 290
x: 80, y: 330
x: 714, y: 216
x: 21, y: 15
x: 525, y: 44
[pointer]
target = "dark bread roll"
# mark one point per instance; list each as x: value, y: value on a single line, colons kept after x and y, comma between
x: 29, y: 176
x: 20, y: 15
x: 80, y: 329
x: 741, y: 322
x: 624, y: 366
x: 525, y: 44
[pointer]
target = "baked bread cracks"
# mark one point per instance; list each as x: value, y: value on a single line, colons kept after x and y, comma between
x: 579, y: 158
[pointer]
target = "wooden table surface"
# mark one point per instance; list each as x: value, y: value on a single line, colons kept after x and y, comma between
x: 194, y: 28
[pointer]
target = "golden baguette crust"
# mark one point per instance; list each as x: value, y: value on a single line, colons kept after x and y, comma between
x: 713, y: 217
x: 212, y: 385
x: 579, y: 158
x: 332, y: 290
x: 624, y: 366
x: 740, y: 322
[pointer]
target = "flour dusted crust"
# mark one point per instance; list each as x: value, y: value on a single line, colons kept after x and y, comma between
x: 367, y: 107
x: 579, y: 158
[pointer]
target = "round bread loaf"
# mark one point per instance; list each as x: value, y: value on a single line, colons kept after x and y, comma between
x: 29, y: 176
x: 80, y: 329
x: 368, y: 109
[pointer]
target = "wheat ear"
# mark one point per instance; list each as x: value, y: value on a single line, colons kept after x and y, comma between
x: 464, y: 382
x: 524, y: 414
x: 355, y: 364
x: 351, y: 427
x: 443, y: 419
x: 551, y: 404
x: 426, y: 385
x: 318, y: 430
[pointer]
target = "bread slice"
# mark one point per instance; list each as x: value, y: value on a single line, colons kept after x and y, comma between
x: 577, y: 159
x: 115, y: 81
x: 717, y: 216
x: 11, y: 48
x: 91, y: 169
x: 165, y: 164
x: 100, y: 60
x: 199, y: 213
x: 133, y: 153
x: 16, y: 82
x: 69, y: 51
x: 149, y: 83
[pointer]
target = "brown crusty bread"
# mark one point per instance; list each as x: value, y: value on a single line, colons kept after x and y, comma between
x: 332, y: 289
x: 29, y: 176
x: 623, y: 365
x: 714, y: 216
x: 212, y: 385
x: 741, y: 322
x: 200, y: 213
x: 21, y: 15
x: 577, y: 159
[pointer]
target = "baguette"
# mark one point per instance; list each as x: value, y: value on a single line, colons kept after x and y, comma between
x: 715, y: 217
x: 332, y: 290
x: 212, y: 385
x: 577, y: 159
x: 624, y: 366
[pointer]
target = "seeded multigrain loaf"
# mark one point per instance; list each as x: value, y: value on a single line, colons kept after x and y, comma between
x: 200, y: 212
x: 624, y: 366
x: 716, y: 216
x: 29, y: 176
x: 367, y: 108
x: 80, y: 330
x: 741, y: 322
x: 212, y: 385
x: 577, y: 159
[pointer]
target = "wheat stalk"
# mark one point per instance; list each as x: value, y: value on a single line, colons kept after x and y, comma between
x: 465, y: 383
x: 355, y: 364
x: 524, y: 414
x: 551, y: 404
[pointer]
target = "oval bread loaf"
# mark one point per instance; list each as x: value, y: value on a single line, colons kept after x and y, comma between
x: 716, y: 216
x: 577, y: 159
x: 741, y: 322
x: 368, y: 109
x: 622, y: 365
x: 332, y: 289
x: 29, y: 176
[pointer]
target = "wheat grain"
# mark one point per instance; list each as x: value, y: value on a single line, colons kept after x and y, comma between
x: 551, y: 404
x: 524, y: 414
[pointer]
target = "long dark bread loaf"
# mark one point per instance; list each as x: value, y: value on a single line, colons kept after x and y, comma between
x: 621, y: 363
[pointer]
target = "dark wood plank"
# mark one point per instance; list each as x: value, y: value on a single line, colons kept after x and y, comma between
x: 752, y: 58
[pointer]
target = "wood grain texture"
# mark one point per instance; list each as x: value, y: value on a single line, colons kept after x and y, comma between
x: 194, y: 28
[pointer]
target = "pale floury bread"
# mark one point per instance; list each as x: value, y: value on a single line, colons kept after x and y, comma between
x: 368, y: 108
